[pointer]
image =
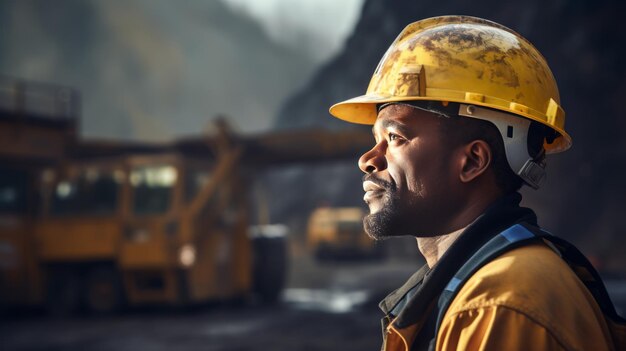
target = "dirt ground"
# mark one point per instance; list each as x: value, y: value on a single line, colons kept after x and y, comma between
x: 280, y: 328
x: 331, y: 306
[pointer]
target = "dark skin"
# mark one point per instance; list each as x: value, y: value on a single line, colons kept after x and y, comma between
x: 420, y: 183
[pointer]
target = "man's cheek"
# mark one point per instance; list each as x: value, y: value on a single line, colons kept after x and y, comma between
x: 397, y: 179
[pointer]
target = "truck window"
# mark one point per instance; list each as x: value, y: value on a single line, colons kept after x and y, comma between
x: 92, y: 192
x: 153, y: 188
x: 13, y: 190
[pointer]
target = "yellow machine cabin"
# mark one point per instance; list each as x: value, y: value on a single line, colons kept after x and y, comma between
x: 161, y: 228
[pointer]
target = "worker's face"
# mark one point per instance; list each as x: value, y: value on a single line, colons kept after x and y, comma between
x: 409, y: 182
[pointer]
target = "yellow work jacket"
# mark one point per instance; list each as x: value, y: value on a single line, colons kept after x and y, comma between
x: 526, y: 299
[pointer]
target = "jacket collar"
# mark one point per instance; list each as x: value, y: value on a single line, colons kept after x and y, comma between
x: 399, y: 297
x: 425, y: 285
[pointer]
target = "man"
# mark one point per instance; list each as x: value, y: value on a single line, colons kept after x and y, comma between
x: 463, y: 112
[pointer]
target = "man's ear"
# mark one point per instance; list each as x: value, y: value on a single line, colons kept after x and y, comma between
x: 475, y: 160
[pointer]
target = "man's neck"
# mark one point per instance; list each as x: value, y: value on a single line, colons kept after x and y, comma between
x: 475, y: 203
x: 433, y: 248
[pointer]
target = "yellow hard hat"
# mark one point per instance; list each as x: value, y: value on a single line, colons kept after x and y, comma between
x: 464, y: 60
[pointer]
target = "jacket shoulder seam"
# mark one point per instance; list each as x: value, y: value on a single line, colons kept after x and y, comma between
x: 544, y: 323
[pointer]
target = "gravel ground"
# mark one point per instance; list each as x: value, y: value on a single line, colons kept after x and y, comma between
x: 259, y: 328
x: 330, y: 306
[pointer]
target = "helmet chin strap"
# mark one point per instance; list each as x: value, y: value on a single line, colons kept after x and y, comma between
x: 514, y: 131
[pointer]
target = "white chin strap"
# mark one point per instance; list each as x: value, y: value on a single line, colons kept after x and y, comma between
x: 514, y: 131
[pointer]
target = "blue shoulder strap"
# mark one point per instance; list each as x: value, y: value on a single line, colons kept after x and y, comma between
x: 516, y: 236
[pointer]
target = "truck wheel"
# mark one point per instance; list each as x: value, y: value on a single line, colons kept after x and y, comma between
x: 270, y: 267
x: 103, y: 293
x: 62, y: 292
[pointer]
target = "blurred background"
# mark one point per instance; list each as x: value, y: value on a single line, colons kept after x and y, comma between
x: 170, y: 176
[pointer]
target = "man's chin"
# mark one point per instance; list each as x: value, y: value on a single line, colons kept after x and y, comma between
x: 374, y: 207
x: 377, y: 227
x: 383, y: 220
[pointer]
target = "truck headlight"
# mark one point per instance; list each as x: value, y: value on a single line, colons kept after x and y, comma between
x: 187, y: 255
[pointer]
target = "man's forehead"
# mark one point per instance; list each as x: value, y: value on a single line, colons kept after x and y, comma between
x: 394, y: 115
x: 395, y: 112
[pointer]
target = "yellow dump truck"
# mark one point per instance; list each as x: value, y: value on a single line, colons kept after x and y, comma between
x: 337, y: 233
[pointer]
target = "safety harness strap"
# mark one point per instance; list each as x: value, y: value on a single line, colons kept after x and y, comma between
x: 520, y: 235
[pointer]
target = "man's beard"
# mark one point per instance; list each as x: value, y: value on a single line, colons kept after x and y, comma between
x: 387, y: 221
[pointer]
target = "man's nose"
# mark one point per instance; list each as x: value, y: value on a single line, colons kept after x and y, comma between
x: 373, y: 160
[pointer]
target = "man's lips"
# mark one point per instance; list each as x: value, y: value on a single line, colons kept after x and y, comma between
x: 372, y: 190
x: 369, y: 185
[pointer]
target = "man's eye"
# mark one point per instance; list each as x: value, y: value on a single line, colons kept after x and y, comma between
x: 393, y: 137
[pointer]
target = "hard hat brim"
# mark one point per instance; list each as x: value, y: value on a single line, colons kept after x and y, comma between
x: 363, y: 110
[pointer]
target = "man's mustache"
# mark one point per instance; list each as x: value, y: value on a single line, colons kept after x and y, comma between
x: 379, y: 182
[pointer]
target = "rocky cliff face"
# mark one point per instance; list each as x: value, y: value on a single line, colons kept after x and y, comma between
x: 584, y: 43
